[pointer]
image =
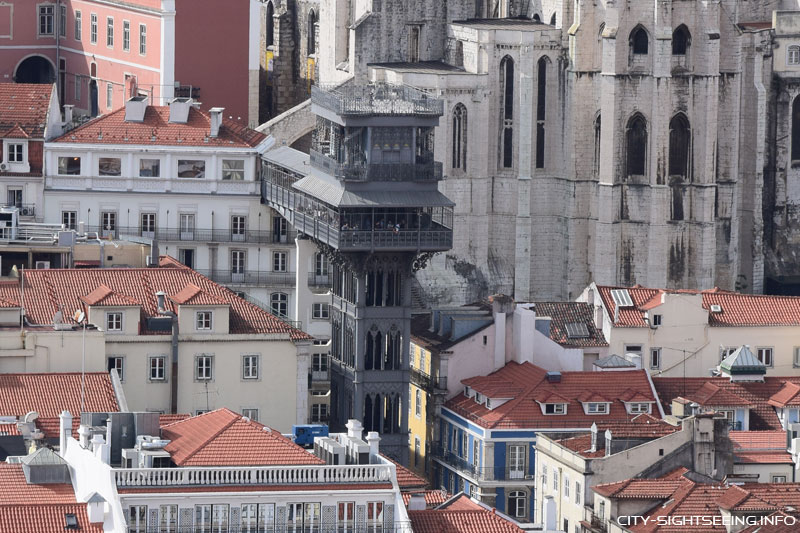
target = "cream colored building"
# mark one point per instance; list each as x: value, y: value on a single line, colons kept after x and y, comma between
x: 228, y: 352
x: 688, y: 333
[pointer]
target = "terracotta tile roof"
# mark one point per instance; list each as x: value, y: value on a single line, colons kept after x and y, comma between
x: 406, y: 479
x: 788, y: 395
x: 169, y: 418
x: 778, y: 522
x: 563, y: 313
x: 524, y: 411
x: 50, y: 394
x: 738, y: 309
x: 224, y: 438
x: 461, y: 516
x: 105, y: 297
x: 758, y: 439
x: 8, y: 429
x: 640, y: 427
x: 745, y: 457
x: 638, y: 489
x: 24, y: 106
x: 175, y: 489
x: 15, y: 132
x: 191, y: 294
x: 44, y: 518
x: 712, y: 395
x: 156, y: 129
x: 47, y: 290
x: 757, y: 394
x: 432, y: 497
x: 15, y: 489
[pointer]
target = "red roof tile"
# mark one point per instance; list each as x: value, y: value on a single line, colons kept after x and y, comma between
x: 461, y: 516
x: 756, y: 394
x: 524, y: 412
x: 169, y: 418
x: 745, y: 457
x: 641, y: 426
x: 15, y: 489
x: 758, y: 440
x: 175, y: 489
x: 788, y: 395
x: 156, y: 129
x: 563, y: 313
x: 47, y: 290
x: 738, y: 309
x: 105, y: 297
x: 44, y: 518
x: 778, y: 522
x: 406, y: 479
x: 711, y: 395
x: 191, y: 294
x: 24, y: 106
x: 8, y: 429
x: 50, y: 394
x: 224, y: 438
x: 432, y: 497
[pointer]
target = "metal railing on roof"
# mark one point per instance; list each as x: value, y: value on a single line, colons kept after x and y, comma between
x: 197, y: 234
x: 376, y: 99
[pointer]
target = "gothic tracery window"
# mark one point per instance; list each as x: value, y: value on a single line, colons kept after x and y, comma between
x: 270, y: 22
x: 460, y: 137
x: 507, y: 112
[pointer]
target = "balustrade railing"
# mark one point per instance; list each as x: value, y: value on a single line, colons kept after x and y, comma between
x: 319, y: 280
x: 268, y: 475
x: 376, y: 99
x: 196, y: 234
x: 250, y: 277
x: 421, y: 171
x: 484, y: 473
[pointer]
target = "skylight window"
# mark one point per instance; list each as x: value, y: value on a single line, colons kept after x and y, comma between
x: 71, y: 521
x: 577, y: 330
x: 622, y: 298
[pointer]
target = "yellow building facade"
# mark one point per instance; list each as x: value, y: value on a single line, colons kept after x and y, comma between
x: 420, y: 418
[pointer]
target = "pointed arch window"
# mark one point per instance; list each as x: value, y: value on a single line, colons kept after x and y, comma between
x: 597, y: 130
x: 270, y: 24
x: 636, y: 146
x: 460, y: 137
x: 679, y: 146
x: 507, y: 112
x: 541, y: 109
x: 312, y: 37
x: 681, y: 39
x: 639, y: 41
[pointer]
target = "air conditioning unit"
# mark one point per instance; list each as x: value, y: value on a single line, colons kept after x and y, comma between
x: 42, y: 264
x: 26, y: 211
x: 3, y: 166
x: 530, y: 476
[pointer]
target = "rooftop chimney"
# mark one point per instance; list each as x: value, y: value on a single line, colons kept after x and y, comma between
x: 608, y: 442
x: 135, y: 108
x: 179, y: 110
x: 354, y: 428
x: 373, y: 439
x: 417, y: 502
x: 216, y: 120
x: 594, y: 438
x: 68, y: 113
x: 95, y: 508
x: 65, y: 431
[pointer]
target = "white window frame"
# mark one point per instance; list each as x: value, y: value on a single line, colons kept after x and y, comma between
x: 137, y: 519
x: 93, y: 28
x: 204, y: 367
x: 764, y: 350
x: 320, y: 311
x: 418, y: 404
x: 42, y: 15
x: 231, y: 170
x: 597, y: 408
x: 109, y: 95
x: 520, y: 502
x: 69, y: 219
x: 726, y: 351
x: 115, y: 318
x: 251, y: 413
x: 793, y: 55
x: 21, y: 150
x: 558, y: 408
x: 279, y: 262
x: 566, y: 486
x: 168, y: 518
x: 796, y: 360
x: 276, y: 300
x: 636, y: 408
x: 142, y: 39
x: 655, y: 358
x: 109, y: 32
x: 250, y: 366
x: 119, y: 364
x: 777, y: 478
x: 154, y: 376
x: 126, y: 35
x: 204, y: 320
x: 577, y: 493
x: 78, y: 30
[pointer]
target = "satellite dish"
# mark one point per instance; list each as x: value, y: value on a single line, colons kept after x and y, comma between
x: 78, y: 316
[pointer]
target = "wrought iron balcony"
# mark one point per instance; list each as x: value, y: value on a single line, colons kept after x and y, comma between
x: 376, y: 99
x: 250, y: 277
x: 319, y: 280
x: 196, y: 234
x: 425, y: 381
x: 481, y: 473
x: 420, y: 171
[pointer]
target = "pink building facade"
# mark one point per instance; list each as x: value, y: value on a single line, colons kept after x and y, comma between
x: 102, y: 52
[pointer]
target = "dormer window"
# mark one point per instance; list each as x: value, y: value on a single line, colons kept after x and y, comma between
x: 203, y: 320
x: 466, y: 392
x: 488, y: 403
x: 114, y: 321
x: 555, y: 408
x: 638, y: 408
x: 16, y: 155
x: 597, y: 408
x: 478, y: 397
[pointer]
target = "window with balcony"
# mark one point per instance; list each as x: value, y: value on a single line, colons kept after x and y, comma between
x: 319, y: 362
x: 117, y: 362
x: 187, y: 225
x: 279, y: 304
x: 69, y: 219
x: 137, y: 519
x: 191, y: 168
x: 517, y: 504
x: 14, y: 196
x: 238, y: 227
x: 374, y: 517
x: 168, y: 518
x: 142, y: 39
x: 46, y: 22
x: 78, y: 26
x: 279, y: 261
x: 108, y: 221
x: 126, y: 36
x: 238, y: 265
x: 186, y: 256
x: 203, y: 367
x: 303, y: 517
x: 320, y: 311
x: 93, y: 28
x: 110, y: 32
x: 148, y: 225
x: 233, y: 169
x: 345, y: 518
x: 114, y: 321
x: 158, y: 368
x: 516, y: 461
x: 69, y: 166
x: 320, y: 265
x: 203, y: 320
x: 257, y: 517
x: 250, y: 366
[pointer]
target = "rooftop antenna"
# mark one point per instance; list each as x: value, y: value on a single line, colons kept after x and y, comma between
x: 80, y: 317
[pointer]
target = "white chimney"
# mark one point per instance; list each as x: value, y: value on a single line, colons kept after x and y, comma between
x: 65, y: 431
x: 179, y: 110
x: 374, y: 440
x: 135, y: 108
x: 100, y: 449
x: 68, y: 113
x: 417, y: 502
x: 549, y: 514
x: 96, y: 508
x: 594, y: 438
x: 216, y: 120
x: 608, y: 442
x: 354, y: 428
x: 83, y: 435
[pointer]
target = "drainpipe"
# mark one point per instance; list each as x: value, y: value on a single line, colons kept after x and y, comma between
x: 162, y: 310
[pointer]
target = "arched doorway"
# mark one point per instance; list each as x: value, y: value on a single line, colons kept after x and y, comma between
x: 35, y: 69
